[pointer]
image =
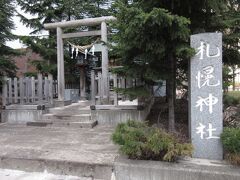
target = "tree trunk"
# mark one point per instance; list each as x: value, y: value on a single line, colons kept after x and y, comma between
x: 167, y: 90
x: 171, y: 94
x: 234, y: 75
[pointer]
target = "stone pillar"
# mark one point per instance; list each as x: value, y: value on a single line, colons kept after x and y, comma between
x: 60, y: 65
x: 105, y: 82
x: 82, y: 84
x: 206, y: 116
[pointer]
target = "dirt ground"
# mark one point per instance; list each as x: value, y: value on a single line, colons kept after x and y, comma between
x: 159, y: 116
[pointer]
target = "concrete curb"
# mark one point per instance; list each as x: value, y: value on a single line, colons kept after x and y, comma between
x: 184, y: 170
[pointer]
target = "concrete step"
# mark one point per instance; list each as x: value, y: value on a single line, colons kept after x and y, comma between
x: 77, y: 117
x: 87, y: 124
x: 39, y: 124
x: 60, y: 167
x: 55, y: 123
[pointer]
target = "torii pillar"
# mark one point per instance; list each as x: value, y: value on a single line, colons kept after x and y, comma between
x: 60, y: 65
x: 105, y: 62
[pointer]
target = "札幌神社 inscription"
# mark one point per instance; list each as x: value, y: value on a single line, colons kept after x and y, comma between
x: 206, y: 95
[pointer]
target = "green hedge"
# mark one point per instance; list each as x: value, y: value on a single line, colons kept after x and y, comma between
x: 231, y: 98
x: 231, y: 143
x: 139, y: 141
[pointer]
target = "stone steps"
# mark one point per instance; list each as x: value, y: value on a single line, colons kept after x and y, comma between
x: 56, y: 120
x: 88, y: 124
x: 75, y: 115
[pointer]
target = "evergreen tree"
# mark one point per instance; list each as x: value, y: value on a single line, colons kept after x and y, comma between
x: 7, y: 67
x: 229, y: 24
x: 43, y: 11
x: 150, y: 42
x: 153, y: 36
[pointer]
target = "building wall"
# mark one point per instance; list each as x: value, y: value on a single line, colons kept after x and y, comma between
x: 23, y: 61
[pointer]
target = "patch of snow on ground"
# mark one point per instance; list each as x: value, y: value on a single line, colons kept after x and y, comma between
x: 7, y: 174
x: 128, y: 102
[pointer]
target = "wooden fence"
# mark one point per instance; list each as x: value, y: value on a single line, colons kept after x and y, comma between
x: 28, y: 90
x: 115, y: 81
x: 42, y: 90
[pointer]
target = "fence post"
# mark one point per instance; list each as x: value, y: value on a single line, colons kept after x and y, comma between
x: 27, y: 89
x: 55, y: 88
x: 123, y: 83
x: 21, y: 88
x: 93, y: 87
x: 4, y: 99
x: 10, y: 97
x: 129, y: 83
x: 15, y: 82
x: 45, y: 89
x: 40, y: 88
x: 50, y: 80
x: 115, y: 85
x: 123, y: 86
x: 33, y: 89
x: 100, y: 90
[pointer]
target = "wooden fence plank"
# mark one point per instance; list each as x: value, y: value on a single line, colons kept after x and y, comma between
x: 21, y: 90
x: 100, y: 90
x: 55, y: 89
x: 29, y: 89
x: 15, y: 82
x: 5, y: 90
x: 33, y: 89
x: 45, y: 88
x: 10, y: 96
x: 50, y: 79
x: 27, y: 93
x: 40, y: 88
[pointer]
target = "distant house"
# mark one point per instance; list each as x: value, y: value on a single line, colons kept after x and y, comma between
x: 23, y: 61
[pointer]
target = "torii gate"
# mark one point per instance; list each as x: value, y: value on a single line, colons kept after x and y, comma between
x: 60, y: 51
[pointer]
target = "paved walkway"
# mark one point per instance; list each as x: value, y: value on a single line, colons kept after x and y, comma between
x: 57, y: 149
